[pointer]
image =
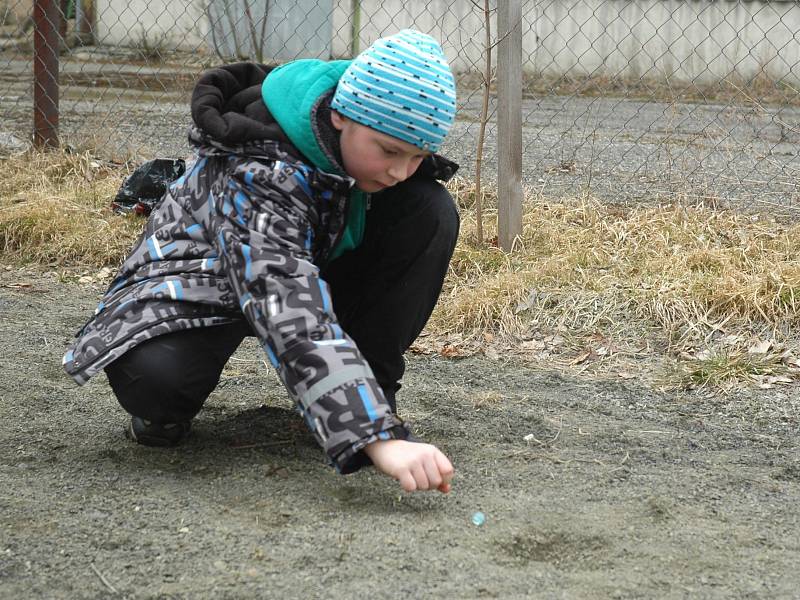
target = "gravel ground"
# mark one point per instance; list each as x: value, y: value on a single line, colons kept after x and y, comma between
x: 621, y: 150
x: 590, y: 489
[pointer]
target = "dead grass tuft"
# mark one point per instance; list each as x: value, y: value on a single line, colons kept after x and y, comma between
x: 488, y: 399
x: 725, y: 369
x: 54, y: 210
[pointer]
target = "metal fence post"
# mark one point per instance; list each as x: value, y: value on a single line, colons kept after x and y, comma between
x: 509, y: 122
x: 46, y: 17
x: 355, y: 42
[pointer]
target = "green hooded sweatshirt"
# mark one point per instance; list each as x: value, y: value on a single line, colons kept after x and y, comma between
x: 290, y: 92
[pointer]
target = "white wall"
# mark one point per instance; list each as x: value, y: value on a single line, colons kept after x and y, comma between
x: 700, y: 40
x: 170, y: 23
x: 692, y: 40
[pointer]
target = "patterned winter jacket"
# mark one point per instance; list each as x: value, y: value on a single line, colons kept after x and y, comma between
x: 244, y: 233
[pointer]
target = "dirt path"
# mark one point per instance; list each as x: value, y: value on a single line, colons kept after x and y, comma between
x: 617, y: 491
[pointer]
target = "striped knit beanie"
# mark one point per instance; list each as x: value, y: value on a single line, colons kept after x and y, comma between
x: 401, y: 86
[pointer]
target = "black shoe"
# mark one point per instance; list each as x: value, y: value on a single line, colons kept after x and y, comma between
x: 154, y: 434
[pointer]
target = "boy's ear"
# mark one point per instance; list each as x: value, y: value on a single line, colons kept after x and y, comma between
x: 337, y: 120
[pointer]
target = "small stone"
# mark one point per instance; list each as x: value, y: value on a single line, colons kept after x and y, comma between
x: 184, y: 530
x: 11, y: 144
x: 478, y: 519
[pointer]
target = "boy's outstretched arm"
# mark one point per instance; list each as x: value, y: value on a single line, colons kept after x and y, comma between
x: 263, y: 232
x: 416, y: 466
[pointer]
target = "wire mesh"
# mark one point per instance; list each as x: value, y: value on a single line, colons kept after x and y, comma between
x: 629, y: 100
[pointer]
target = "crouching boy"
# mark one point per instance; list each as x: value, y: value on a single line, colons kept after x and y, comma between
x: 311, y: 219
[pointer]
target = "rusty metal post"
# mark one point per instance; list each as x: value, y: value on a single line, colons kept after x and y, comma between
x: 46, y: 19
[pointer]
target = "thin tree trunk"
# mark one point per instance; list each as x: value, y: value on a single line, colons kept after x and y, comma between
x: 213, y: 26
x: 232, y: 24
x: 253, y: 33
x: 263, y: 31
x: 487, y: 81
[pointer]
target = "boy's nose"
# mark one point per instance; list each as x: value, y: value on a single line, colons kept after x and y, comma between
x: 401, y: 170
x: 398, y: 172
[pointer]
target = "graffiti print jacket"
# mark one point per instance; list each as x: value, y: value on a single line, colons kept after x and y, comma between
x: 243, y: 233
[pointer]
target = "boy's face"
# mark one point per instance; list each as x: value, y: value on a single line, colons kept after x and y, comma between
x: 375, y: 160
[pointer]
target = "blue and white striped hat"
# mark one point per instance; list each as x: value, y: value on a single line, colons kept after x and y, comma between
x: 402, y: 86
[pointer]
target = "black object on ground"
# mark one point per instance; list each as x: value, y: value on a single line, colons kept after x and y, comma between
x: 143, y: 188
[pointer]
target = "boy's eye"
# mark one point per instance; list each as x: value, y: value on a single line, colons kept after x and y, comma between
x: 389, y: 152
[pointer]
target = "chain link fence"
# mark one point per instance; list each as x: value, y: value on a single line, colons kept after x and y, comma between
x: 629, y: 100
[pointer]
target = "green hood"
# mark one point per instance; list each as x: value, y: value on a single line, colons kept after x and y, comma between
x: 290, y: 92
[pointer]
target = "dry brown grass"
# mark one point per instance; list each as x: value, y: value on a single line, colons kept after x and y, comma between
x: 590, y: 286
x: 607, y: 280
x: 734, y: 89
x: 678, y: 267
x: 54, y: 210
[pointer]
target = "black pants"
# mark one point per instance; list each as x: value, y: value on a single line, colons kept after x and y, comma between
x: 383, y: 294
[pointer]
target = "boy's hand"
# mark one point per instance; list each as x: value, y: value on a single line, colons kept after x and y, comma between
x: 416, y: 466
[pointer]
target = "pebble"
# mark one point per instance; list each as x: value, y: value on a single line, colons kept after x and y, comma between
x: 9, y: 143
x: 478, y: 518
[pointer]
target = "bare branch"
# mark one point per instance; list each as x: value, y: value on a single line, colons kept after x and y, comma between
x: 263, y: 30
x: 792, y: 128
x: 510, y: 29
x: 483, y: 9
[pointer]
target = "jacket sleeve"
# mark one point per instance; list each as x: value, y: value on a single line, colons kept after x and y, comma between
x: 264, y: 236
